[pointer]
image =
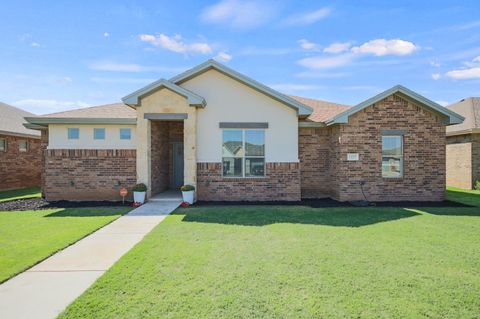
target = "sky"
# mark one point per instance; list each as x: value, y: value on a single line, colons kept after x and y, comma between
x: 61, y: 55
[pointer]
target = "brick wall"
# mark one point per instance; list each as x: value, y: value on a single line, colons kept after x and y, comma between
x: 314, y: 153
x: 282, y: 182
x: 88, y: 174
x: 424, y: 153
x: 20, y: 169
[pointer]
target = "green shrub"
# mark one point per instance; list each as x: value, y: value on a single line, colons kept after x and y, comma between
x: 477, y: 185
x: 140, y: 188
x: 187, y: 188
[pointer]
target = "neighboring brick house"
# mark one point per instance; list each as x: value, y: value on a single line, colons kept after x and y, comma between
x: 238, y: 140
x: 463, y: 145
x: 20, y: 155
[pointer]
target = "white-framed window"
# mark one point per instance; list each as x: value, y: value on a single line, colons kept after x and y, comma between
x: 243, y: 153
x: 73, y: 133
x: 98, y: 133
x: 22, y: 145
x: 3, y: 145
x: 125, y: 134
x: 392, y: 156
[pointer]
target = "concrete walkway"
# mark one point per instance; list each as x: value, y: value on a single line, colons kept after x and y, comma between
x: 48, y: 288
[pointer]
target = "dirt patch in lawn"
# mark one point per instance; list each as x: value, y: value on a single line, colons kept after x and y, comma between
x: 328, y: 202
x: 40, y: 203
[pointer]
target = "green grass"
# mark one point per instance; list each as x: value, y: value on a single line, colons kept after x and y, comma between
x: 13, y: 194
x: 466, y: 196
x: 297, y: 262
x: 28, y: 237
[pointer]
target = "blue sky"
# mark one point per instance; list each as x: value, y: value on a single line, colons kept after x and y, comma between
x: 72, y: 54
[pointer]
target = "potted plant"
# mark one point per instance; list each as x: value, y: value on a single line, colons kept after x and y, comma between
x: 188, y: 192
x: 139, y: 191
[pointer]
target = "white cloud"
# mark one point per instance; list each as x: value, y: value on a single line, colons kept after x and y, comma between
x: 329, y: 62
x: 294, y: 87
x: 43, y: 106
x: 35, y: 44
x: 223, y: 56
x: 436, y: 76
x: 308, y: 17
x: 462, y: 74
x: 176, y: 44
x: 381, y: 47
x: 435, y: 64
x: 471, y: 72
x: 239, y: 14
x: 337, y: 47
x: 106, y: 34
x: 111, y: 66
x: 307, y: 45
x: 442, y: 103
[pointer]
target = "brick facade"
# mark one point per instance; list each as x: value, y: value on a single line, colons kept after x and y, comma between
x: 88, y: 174
x: 281, y: 183
x: 314, y: 153
x: 20, y: 169
x: 325, y: 170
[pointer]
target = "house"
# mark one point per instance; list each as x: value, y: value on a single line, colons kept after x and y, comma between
x: 238, y: 140
x: 463, y: 145
x: 20, y: 152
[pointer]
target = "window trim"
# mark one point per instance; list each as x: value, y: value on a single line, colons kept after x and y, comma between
x: 26, y: 146
x: 4, y: 144
x: 104, y: 133
x: 244, y: 157
x: 401, y: 136
x: 68, y: 133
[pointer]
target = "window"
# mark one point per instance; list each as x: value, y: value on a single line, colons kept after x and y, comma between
x: 392, y: 156
x: 22, y: 145
x: 125, y: 133
x: 243, y: 153
x: 3, y: 144
x: 98, y: 133
x: 73, y: 133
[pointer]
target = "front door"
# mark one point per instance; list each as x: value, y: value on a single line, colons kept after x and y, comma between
x: 177, y: 165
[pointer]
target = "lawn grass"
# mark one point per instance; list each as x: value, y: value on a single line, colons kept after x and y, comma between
x: 13, y: 194
x: 297, y: 262
x: 28, y: 237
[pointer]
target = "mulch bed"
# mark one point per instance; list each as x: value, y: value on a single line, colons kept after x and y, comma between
x: 40, y: 203
x: 328, y: 202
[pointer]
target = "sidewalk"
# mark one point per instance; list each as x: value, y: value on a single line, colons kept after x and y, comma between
x: 48, y: 288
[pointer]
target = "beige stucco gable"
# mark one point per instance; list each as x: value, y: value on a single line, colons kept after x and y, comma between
x: 165, y: 101
x: 229, y: 100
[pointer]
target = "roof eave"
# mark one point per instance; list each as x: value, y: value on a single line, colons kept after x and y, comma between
x: 302, y: 109
x: 41, y: 121
x: 452, y: 117
x: 133, y: 99
x: 9, y: 133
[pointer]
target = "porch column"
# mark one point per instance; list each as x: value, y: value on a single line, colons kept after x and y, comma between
x: 144, y: 153
x: 190, y: 148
